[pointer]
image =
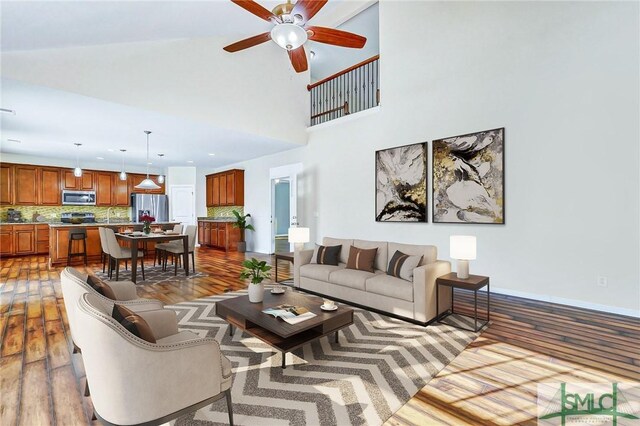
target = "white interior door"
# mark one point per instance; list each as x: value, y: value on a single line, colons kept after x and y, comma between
x: 182, y: 202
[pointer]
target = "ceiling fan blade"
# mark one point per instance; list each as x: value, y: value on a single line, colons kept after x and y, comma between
x: 248, y: 42
x: 253, y: 7
x: 307, y: 8
x: 336, y: 37
x: 298, y: 59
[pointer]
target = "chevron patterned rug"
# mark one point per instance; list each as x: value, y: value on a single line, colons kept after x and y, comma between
x: 152, y: 275
x: 377, y: 366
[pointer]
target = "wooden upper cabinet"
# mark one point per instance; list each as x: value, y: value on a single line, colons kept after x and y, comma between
x: 6, y: 184
x: 225, y: 189
x: 120, y: 192
x: 87, y: 181
x: 215, y: 190
x: 104, y: 188
x: 69, y: 180
x: 84, y: 182
x: 49, y: 186
x: 26, y: 185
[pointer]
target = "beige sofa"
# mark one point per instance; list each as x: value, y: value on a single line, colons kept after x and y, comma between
x: 414, y: 301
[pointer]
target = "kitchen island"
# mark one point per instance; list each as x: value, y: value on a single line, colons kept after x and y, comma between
x: 218, y: 232
x: 59, y: 239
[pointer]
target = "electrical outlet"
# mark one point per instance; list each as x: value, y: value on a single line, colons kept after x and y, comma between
x: 602, y: 281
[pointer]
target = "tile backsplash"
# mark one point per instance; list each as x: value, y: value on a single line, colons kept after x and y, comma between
x: 52, y: 213
x: 224, y: 211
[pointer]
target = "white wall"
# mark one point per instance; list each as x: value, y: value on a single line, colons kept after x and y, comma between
x: 562, y: 78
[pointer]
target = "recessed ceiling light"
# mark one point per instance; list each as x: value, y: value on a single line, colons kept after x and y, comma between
x: 189, y: 161
x: 110, y: 150
x: 211, y: 154
x: 100, y: 158
x: 14, y: 140
x: 149, y: 163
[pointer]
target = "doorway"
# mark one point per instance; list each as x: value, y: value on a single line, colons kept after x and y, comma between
x: 281, y: 214
x: 283, y: 181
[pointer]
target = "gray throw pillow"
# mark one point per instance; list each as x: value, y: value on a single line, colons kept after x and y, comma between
x: 326, y: 255
x: 402, y: 265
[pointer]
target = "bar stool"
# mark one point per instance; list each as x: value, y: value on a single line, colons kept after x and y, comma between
x: 77, y: 235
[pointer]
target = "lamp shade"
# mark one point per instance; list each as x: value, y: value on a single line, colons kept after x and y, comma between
x: 298, y: 235
x: 289, y: 36
x: 147, y: 184
x: 462, y: 247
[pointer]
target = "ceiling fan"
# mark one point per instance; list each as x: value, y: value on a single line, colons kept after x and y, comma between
x: 291, y: 30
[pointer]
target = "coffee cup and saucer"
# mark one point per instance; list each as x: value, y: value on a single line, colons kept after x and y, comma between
x: 329, y: 305
x: 277, y: 289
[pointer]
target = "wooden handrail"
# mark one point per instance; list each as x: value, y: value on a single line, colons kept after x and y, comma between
x: 344, y: 71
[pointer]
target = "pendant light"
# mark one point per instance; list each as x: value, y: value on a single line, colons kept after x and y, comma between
x: 123, y: 174
x: 147, y: 183
x: 77, y: 172
x: 161, y: 177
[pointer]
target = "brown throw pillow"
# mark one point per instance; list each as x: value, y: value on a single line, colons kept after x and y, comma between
x: 101, y: 287
x: 326, y: 255
x: 133, y: 322
x: 361, y: 259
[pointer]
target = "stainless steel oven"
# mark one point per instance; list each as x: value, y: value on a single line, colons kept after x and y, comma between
x: 78, y: 198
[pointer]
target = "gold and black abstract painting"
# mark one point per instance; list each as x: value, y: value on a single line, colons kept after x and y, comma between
x: 401, y: 184
x: 468, y: 178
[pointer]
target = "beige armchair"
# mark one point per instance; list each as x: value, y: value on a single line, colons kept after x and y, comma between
x: 74, y: 284
x: 137, y: 382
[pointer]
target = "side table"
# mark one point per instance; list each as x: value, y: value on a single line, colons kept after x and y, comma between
x: 473, y: 283
x: 281, y: 256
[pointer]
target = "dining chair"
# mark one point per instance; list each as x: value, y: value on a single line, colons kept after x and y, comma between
x: 105, y: 250
x: 161, y: 247
x: 118, y: 253
x: 178, y: 249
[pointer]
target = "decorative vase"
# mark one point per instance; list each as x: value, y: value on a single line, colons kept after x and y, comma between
x: 256, y: 292
x: 242, y: 246
x: 147, y: 228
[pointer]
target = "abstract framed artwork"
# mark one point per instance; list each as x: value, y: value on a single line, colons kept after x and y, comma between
x: 401, y: 184
x: 468, y: 178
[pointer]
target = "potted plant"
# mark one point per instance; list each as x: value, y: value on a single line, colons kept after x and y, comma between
x: 255, y: 270
x: 241, y: 223
x: 146, y: 220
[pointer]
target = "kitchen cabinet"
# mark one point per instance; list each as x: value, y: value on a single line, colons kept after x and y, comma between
x: 26, y: 185
x: 225, y: 188
x: 6, y: 240
x: 42, y: 239
x: 49, y: 186
x: 24, y: 239
x: 104, y: 188
x: 120, y: 192
x: 84, y: 182
x: 6, y: 184
x: 220, y: 235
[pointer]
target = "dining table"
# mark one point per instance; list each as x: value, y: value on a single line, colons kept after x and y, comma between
x: 134, y: 238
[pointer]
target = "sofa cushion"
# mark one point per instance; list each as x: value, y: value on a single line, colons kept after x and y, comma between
x: 361, y: 259
x: 326, y: 255
x: 133, y: 322
x: 402, y: 265
x: 318, y: 272
x: 344, y: 253
x: 382, y: 256
x: 429, y: 253
x: 101, y: 287
x: 389, y: 286
x: 350, y: 278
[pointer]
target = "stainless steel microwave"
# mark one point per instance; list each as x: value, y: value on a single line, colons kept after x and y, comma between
x: 78, y: 198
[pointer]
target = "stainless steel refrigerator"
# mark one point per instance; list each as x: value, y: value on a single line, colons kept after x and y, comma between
x: 151, y: 204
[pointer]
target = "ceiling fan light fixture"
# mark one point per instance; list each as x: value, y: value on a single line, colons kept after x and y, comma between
x: 289, y: 36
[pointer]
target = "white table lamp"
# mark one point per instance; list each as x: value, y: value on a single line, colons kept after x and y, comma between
x: 298, y: 236
x: 463, y: 249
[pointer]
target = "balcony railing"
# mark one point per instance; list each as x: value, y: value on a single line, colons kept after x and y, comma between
x: 346, y: 92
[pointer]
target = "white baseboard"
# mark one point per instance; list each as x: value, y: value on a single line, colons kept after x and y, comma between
x: 570, y: 302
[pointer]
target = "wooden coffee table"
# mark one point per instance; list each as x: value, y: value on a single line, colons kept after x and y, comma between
x: 285, y: 337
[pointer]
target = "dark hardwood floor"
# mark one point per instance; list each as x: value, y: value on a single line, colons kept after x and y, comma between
x: 493, y: 381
